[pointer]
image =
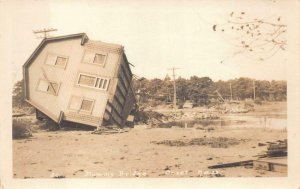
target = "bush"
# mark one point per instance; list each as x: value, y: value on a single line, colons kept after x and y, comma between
x: 258, y: 101
x: 21, y: 129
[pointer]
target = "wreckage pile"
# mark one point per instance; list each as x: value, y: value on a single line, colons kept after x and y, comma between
x: 274, y: 149
x: 149, y: 118
x: 169, y: 119
x: 274, y: 159
x: 233, y: 108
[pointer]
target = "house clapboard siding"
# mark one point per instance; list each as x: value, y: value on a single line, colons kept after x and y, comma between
x: 75, y: 79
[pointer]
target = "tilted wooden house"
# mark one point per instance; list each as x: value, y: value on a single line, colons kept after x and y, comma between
x: 72, y: 78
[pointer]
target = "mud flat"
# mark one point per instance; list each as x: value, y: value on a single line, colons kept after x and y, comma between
x: 147, y: 151
x: 80, y: 154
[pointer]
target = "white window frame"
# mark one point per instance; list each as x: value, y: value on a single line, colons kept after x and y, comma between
x: 96, y: 52
x: 56, y: 92
x: 80, y: 110
x: 57, y: 55
x: 93, y: 87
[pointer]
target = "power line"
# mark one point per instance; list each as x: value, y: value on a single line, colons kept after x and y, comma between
x: 174, y: 83
x: 44, y: 32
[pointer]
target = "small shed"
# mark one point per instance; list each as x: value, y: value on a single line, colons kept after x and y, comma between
x: 188, y: 104
x: 72, y: 78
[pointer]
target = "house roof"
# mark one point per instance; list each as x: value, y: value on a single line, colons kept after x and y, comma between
x: 83, y: 37
x: 111, y: 45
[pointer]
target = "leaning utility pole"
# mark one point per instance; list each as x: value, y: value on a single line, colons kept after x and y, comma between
x: 44, y: 32
x: 230, y: 93
x: 174, y: 83
x: 253, y: 89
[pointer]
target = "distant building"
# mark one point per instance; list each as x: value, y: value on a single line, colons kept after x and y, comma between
x: 72, y: 78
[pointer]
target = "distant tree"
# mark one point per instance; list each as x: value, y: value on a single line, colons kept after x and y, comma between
x: 260, y: 38
x: 18, y: 99
x: 263, y: 89
x: 243, y: 88
x: 199, y: 90
x: 182, y: 89
x: 278, y: 90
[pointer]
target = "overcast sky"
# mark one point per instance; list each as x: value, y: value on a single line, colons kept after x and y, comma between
x: 156, y: 35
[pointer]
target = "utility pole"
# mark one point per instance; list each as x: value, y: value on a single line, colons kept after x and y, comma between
x: 174, y: 83
x: 230, y: 93
x: 44, y: 32
x: 253, y: 89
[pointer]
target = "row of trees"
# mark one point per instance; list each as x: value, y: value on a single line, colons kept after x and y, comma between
x: 202, y: 90
x: 199, y: 90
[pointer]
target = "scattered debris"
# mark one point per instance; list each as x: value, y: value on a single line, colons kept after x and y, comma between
x: 59, y: 176
x: 234, y: 107
x: 277, y: 160
x: 214, y: 142
x: 19, y: 115
x: 167, y: 168
x: 110, y: 130
x: 149, y: 117
x: 262, y: 144
x: 167, y: 119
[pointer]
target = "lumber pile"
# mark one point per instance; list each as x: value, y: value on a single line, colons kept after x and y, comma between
x: 275, y: 149
x: 274, y: 159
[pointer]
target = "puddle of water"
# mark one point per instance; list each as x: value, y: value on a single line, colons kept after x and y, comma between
x: 254, y: 121
x: 234, y: 121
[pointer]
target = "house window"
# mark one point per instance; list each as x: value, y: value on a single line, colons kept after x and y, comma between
x: 93, y: 81
x: 48, y: 87
x: 86, y: 80
x: 86, y: 105
x: 61, y: 61
x: 102, y: 83
x: 94, y: 58
x: 99, y: 58
x: 81, y: 104
x: 55, y: 60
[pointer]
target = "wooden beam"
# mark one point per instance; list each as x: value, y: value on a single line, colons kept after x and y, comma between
x: 233, y: 164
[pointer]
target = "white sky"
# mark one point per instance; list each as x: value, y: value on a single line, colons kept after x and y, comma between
x: 156, y: 35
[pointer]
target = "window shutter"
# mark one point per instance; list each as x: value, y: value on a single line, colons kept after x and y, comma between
x: 89, y: 57
x: 43, y: 86
x: 86, y: 105
x: 51, y: 59
x: 75, y: 102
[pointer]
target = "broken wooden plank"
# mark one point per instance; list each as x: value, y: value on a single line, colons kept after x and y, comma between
x: 19, y: 115
x: 233, y: 164
x: 270, y: 165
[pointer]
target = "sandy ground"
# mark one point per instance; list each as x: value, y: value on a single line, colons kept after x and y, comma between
x: 80, y: 154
